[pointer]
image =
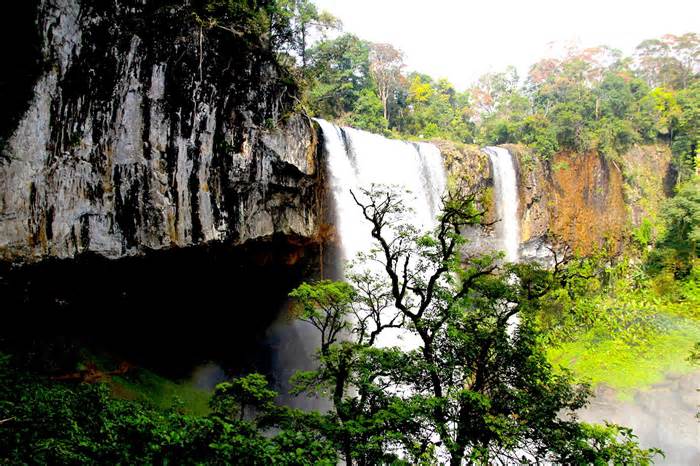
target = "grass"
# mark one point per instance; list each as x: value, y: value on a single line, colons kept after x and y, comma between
x: 625, y: 368
x: 628, y: 356
x: 141, y: 384
x: 162, y: 393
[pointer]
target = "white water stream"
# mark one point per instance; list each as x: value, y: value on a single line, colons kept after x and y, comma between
x: 357, y: 159
x: 505, y: 189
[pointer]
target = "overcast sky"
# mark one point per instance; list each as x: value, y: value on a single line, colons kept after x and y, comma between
x: 462, y: 39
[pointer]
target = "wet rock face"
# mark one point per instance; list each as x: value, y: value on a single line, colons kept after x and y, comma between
x: 144, y: 132
x: 585, y: 199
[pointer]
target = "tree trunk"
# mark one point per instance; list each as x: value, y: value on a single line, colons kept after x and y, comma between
x: 456, y: 458
x: 303, y: 48
x: 385, y: 102
x: 338, y: 392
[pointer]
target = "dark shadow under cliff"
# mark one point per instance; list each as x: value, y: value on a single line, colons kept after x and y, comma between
x: 169, y: 309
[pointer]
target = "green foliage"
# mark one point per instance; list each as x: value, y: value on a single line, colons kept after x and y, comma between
x: 644, y: 234
x: 340, y: 72
x: 661, y: 109
x: 47, y: 422
x: 261, y: 22
x: 367, y: 113
x: 571, y: 126
x: 231, y: 399
x: 677, y: 251
x: 279, y: 25
x: 434, y: 110
x: 592, y: 99
x: 686, y: 142
x: 537, y: 132
x: 476, y: 380
x: 341, y: 87
x: 609, y: 444
x: 496, y: 130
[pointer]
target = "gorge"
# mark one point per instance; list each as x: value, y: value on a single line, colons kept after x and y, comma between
x: 171, y: 170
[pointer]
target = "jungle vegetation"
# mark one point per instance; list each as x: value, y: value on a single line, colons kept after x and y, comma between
x: 477, y: 388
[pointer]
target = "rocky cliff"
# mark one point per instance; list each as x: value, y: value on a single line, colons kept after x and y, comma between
x: 144, y: 132
x: 587, y: 199
x: 583, y: 199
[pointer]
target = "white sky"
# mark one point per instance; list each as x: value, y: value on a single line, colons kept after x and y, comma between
x: 462, y: 39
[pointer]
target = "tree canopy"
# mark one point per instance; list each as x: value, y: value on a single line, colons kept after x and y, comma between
x: 589, y: 99
x: 475, y: 386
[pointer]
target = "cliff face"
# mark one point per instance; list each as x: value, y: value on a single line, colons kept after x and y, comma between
x: 586, y: 199
x: 144, y: 132
x: 583, y: 199
x: 467, y: 166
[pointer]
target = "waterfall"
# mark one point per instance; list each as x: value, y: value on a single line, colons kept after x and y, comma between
x: 505, y: 189
x: 357, y: 159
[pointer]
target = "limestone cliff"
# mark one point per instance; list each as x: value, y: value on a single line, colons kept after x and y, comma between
x: 144, y: 132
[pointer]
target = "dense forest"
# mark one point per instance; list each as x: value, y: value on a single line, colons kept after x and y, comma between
x: 592, y: 99
x: 612, y: 321
x: 485, y: 384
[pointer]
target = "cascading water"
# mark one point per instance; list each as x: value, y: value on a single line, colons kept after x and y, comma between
x: 505, y: 189
x: 356, y: 160
x: 505, y: 184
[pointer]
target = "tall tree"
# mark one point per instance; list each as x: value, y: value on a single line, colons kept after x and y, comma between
x: 491, y: 88
x: 686, y: 138
x: 670, y: 61
x: 386, y: 63
x: 340, y: 72
x: 476, y: 386
x: 307, y: 21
